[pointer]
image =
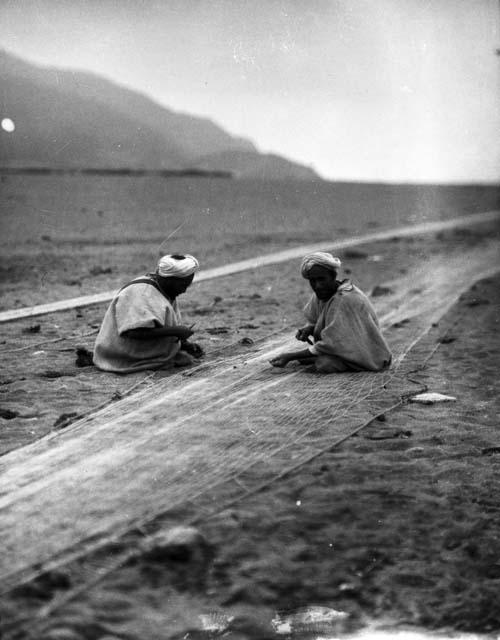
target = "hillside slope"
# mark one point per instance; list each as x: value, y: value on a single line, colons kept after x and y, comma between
x: 248, y: 164
x: 66, y: 118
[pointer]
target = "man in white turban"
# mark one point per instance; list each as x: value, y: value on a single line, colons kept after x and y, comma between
x: 142, y: 328
x: 342, y: 330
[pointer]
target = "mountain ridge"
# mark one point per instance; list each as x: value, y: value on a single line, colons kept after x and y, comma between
x: 70, y: 118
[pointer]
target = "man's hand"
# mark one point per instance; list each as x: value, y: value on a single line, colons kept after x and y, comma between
x: 280, y: 361
x: 304, y: 332
x: 192, y: 348
x: 183, y: 333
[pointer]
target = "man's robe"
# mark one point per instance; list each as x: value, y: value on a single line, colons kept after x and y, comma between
x: 346, y: 326
x: 137, y: 306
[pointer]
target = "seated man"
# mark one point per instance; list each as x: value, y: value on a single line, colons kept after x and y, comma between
x: 342, y: 322
x: 142, y: 327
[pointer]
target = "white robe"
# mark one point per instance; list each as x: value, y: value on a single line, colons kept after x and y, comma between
x: 346, y: 326
x: 139, y: 305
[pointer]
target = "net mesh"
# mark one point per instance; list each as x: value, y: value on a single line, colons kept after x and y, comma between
x: 199, y: 442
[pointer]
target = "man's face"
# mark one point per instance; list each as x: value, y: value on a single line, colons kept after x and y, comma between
x: 175, y: 286
x: 323, y: 282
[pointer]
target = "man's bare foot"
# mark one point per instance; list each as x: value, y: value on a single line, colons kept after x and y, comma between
x: 306, y: 361
x: 279, y: 361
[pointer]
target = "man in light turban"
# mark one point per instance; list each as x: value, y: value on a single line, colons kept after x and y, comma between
x: 342, y: 330
x: 177, y: 266
x: 319, y: 259
x: 142, y: 328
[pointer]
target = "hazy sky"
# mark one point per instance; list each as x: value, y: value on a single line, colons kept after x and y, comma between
x: 392, y: 90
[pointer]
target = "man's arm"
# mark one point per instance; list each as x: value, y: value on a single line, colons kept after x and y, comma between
x: 152, y: 333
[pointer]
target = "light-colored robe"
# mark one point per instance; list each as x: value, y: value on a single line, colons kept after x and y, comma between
x: 346, y: 326
x: 136, y: 306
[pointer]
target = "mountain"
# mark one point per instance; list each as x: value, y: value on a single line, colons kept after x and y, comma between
x: 74, y: 119
x: 249, y: 164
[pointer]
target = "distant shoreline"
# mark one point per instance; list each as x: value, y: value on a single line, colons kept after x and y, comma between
x: 166, y: 173
x: 206, y: 173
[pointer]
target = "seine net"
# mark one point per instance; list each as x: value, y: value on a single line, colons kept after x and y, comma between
x: 198, y: 442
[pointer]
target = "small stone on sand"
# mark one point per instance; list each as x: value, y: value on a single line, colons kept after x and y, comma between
x: 180, y: 544
x: 379, y: 290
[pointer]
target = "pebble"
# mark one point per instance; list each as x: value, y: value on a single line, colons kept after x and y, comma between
x: 182, y: 544
x: 84, y: 357
x: 355, y: 254
x: 35, y: 328
x: 379, y: 290
x: 7, y: 414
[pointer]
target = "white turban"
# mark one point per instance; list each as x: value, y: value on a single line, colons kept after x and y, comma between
x: 319, y: 259
x: 177, y: 266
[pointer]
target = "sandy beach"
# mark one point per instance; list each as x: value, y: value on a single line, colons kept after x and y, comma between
x: 243, y: 493
x: 395, y: 526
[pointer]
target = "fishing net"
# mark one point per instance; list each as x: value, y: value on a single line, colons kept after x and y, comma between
x: 195, y: 443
